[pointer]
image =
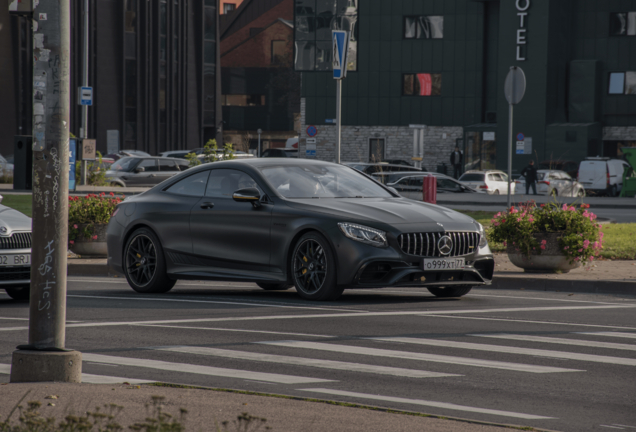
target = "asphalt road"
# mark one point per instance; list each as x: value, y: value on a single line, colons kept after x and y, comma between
x: 549, y: 360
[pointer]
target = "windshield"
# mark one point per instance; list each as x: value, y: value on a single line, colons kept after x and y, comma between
x: 124, y: 164
x: 325, y: 181
x: 472, y: 177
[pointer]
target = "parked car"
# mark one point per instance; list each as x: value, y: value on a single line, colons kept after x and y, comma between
x: 602, y: 175
x: 280, y: 153
x: 555, y: 183
x: 258, y: 220
x: 371, y: 168
x: 180, y: 154
x: 398, y: 162
x: 492, y: 182
x: 386, y: 177
x: 124, y: 153
x: 15, y: 252
x: 412, y: 185
x: 6, y: 167
x: 570, y: 167
x: 144, y: 171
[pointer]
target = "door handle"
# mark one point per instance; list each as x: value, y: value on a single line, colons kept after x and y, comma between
x: 207, y: 205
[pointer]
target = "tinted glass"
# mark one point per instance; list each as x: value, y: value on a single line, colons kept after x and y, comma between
x: 617, y: 83
x: 167, y: 165
x: 193, y: 185
x: 222, y: 183
x: 324, y: 181
x: 124, y: 164
x: 184, y: 166
x: 472, y: 177
x: 149, y: 165
x: 448, y: 185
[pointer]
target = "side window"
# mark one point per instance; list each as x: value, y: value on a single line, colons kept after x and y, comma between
x: 222, y: 183
x: 404, y: 181
x: 417, y: 182
x: 149, y: 165
x: 193, y: 185
x: 167, y: 165
x: 447, y: 184
x: 184, y: 166
x: 491, y: 177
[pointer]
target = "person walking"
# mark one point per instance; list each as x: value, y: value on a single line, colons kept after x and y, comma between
x: 456, y: 159
x: 530, y: 174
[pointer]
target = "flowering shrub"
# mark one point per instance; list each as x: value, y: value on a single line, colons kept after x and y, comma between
x: 581, y: 238
x: 89, y: 210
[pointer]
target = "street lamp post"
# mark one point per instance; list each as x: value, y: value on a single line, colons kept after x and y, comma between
x: 260, y: 131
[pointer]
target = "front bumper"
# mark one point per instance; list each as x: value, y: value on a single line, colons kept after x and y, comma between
x: 15, y: 275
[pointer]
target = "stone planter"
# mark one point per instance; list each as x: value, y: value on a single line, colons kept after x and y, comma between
x: 551, y: 260
x: 89, y: 247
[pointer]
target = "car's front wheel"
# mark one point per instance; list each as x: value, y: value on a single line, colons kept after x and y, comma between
x: 274, y: 286
x: 456, y: 291
x: 581, y: 193
x: 314, y: 268
x: 144, y: 263
x: 22, y: 292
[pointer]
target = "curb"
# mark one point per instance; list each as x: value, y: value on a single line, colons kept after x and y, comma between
x: 500, y: 204
x: 92, y: 269
x: 556, y: 285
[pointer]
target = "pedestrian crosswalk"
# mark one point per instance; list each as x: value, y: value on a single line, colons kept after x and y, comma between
x: 305, y: 361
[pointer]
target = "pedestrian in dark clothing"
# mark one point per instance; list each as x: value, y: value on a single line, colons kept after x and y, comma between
x: 530, y: 174
x: 456, y: 160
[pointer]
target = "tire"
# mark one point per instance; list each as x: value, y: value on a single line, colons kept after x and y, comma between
x: 144, y: 263
x: 19, y: 292
x: 313, y: 267
x: 274, y: 286
x: 554, y: 193
x: 455, y: 291
x: 580, y: 193
x: 613, y: 191
x: 496, y: 192
x: 115, y: 185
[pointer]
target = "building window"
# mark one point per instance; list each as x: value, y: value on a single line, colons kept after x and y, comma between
x: 622, y: 83
x: 422, y: 84
x: 228, y: 7
x: 278, y: 51
x: 423, y: 27
x: 376, y: 149
x: 623, y: 24
x: 243, y: 100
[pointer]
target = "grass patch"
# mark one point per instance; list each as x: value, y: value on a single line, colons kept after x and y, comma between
x: 619, y: 242
x: 21, y: 203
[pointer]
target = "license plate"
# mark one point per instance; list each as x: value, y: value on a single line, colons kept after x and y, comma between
x: 15, y: 260
x: 433, y: 264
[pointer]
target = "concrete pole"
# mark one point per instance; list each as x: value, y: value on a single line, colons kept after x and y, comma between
x: 84, y: 128
x: 339, y: 119
x: 510, y: 117
x: 45, y: 357
x: 218, y: 92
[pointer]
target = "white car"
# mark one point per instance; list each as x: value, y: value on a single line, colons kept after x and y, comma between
x: 15, y: 253
x: 492, y: 182
x: 555, y: 183
x: 602, y: 175
x: 6, y: 168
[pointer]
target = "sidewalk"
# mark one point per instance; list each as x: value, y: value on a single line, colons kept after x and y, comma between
x: 479, y: 199
x: 610, y: 277
x: 208, y: 408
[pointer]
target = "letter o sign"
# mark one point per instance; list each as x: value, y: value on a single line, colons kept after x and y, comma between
x: 522, y: 9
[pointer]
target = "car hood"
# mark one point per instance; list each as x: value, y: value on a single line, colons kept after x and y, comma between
x: 13, y: 220
x: 391, y: 211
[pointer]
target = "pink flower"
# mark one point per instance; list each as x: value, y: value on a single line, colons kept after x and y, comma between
x: 577, y: 259
x: 543, y: 242
x: 571, y: 209
x: 519, y: 219
x: 505, y: 243
x: 542, y: 247
x: 72, y: 242
x: 586, y: 243
x: 95, y: 237
x: 75, y: 226
x: 566, y: 248
x: 580, y: 250
x: 565, y: 207
x: 530, y: 219
x: 596, y: 245
x: 496, y: 224
x: 591, y: 258
x: 514, y: 210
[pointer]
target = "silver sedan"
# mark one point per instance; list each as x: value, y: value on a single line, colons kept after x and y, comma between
x: 555, y: 183
x: 15, y: 252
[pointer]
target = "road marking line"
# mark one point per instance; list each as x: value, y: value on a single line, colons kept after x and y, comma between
x: 172, y: 300
x: 511, y: 350
x: 332, y: 316
x: 465, y: 361
x: 543, y: 299
x: 631, y: 427
x: 534, y: 322
x: 422, y: 402
x: 90, y: 378
x: 201, y: 370
x: 16, y: 319
x: 561, y: 341
x: 235, y: 330
x: 300, y: 361
x: 611, y: 334
x: 612, y: 427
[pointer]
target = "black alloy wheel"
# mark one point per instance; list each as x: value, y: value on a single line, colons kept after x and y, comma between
x: 144, y: 263
x: 314, y: 269
x: 274, y: 286
x: 455, y: 291
x: 22, y: 292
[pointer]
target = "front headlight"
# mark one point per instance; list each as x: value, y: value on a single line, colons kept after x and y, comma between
x: 364, y: 234
x: 483, y: 242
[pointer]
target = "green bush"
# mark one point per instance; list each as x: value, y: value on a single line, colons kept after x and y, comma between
x: 211, y: 154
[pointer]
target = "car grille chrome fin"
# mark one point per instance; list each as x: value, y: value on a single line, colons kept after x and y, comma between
x: 425, y: 244
x: 16, y: 241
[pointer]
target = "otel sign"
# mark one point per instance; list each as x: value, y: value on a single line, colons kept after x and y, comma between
x: 522, y: 13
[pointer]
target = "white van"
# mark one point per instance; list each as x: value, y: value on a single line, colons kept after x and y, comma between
x: 602, y: 175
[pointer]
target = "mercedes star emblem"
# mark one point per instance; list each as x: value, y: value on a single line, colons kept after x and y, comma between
x: 3, y: 230
x: 445, y: 245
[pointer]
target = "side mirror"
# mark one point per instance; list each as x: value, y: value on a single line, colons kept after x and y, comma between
x: 140, y: 169
x: 394, y: 190
x: 1, y: 198
x: 250, y: 195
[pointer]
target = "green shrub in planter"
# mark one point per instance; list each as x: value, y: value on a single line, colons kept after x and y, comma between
x: 86, y: 212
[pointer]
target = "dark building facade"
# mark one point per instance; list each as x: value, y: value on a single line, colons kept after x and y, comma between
x: 430, y: 75
x: 152, y: 65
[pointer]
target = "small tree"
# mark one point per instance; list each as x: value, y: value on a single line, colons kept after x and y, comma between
x: 211, y: 154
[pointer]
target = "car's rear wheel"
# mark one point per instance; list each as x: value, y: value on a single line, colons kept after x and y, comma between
x: 314, y: 268
x: 274, y: 286
x: 581, y: 193
x: 144, y: 263
x: 613, y: 191
x: 496, y: 192
x: 554, y: 192
x: 22, y: 292
x: 455, y: 291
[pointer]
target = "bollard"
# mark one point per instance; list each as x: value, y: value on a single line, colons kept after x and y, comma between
x: 429, y: 189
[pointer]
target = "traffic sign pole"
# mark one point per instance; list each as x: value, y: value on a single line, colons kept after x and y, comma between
x: 339, y: 119
x: 340, y: 41
x: 514, y: 89
x: 510, y: 117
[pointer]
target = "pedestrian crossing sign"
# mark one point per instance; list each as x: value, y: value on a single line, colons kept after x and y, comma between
x: 340, y: 39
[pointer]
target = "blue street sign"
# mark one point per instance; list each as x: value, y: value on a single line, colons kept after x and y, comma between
x: 72, y: 158
x: 340, y: 40
x: 521, y: 137
x: 85, y: 96
x: 312, y: 131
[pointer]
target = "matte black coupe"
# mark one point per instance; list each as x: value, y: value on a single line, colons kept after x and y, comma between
x: 318, y: 226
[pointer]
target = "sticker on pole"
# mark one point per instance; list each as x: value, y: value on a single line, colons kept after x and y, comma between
x: 340, y: 39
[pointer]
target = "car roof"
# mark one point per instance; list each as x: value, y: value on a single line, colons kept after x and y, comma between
x: 483, y: 171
